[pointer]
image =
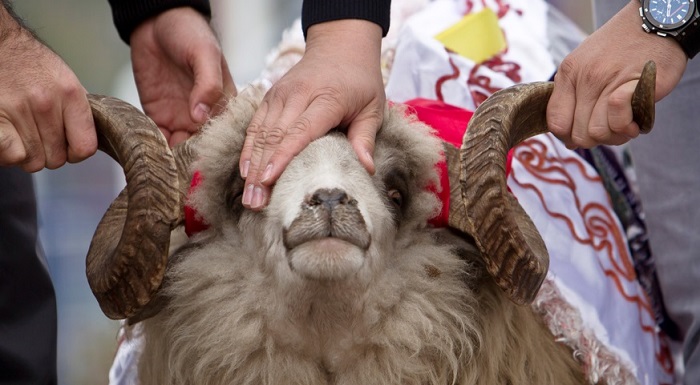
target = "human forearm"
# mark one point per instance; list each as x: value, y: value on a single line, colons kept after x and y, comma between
x: 45, y: 118
x: 358, y: 41
x: 10, y: 23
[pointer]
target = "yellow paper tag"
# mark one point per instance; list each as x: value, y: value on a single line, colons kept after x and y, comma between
x: 476, y: 36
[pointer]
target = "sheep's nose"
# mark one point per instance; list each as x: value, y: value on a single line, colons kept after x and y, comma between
x: 328, y: 197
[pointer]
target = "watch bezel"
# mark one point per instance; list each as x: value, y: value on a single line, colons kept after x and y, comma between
x: 668, y: 28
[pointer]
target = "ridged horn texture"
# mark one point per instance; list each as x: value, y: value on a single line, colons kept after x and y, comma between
x: 127, y: 257
x: 512, y: 248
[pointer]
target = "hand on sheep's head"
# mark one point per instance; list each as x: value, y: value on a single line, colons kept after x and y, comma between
x: 338, y: 82
x: 180, y: 72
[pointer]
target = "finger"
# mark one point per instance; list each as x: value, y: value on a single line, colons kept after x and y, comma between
x: 561, y: 107
x: 49, y: 121
x: 362, y: 135
x: 208, y: 84
x: 252, y: 131
x: 178, y: 137
x: 620, y: 116
x: 268, y: 133
x: 599, y: 131
x: 12, y: 151
x: 586, y: 100
x: 80, y: 127
x: 26, y: 128
x: 271, y: 133
x: 166, y: 133
x: 314, y: 122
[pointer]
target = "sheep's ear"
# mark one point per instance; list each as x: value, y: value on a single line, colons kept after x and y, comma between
x: 513, y: 250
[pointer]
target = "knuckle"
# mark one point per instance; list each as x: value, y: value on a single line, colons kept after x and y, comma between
x: 557, y: 127
x: 73, y: 90
x: 33, y: 162
x: 567, y: 69
x: 617, y: 102
x: 253, y: 128
x: 274, y: 136
x: 57, y: 160
x: 11, y: 153
x: 599, y: 133
x: 42, y: 101
x: 301, y: 126
x: 580, y: 140
x: 83, y: 152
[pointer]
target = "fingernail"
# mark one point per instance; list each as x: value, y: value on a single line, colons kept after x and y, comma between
x: 244, y: 169
x: 257, y: 198
x: 247, y: 195
x: 266, y: 174
x: 201, y: 112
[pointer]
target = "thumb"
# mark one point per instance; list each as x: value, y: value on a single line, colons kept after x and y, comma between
x: 208, y: 84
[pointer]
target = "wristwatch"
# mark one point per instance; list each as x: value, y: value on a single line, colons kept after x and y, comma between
x: 679, y: 19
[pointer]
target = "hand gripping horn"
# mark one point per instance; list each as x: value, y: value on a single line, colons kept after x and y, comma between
x: 513, y: 250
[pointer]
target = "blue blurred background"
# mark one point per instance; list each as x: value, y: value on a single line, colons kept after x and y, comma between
x: 73, y: 198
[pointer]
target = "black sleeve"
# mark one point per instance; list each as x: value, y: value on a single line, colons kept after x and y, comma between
x: 318, y: 11
x: 128, y: 14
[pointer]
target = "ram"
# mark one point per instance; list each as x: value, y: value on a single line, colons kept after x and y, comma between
x: 341, y: 279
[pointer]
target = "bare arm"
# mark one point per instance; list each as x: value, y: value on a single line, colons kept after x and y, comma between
x: 45, y: 118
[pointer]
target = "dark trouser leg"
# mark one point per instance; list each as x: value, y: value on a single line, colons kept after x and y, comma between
x: 27, y: 301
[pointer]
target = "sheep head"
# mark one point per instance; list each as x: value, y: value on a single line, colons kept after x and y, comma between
x: 327, y: 215
x: 127, y: 257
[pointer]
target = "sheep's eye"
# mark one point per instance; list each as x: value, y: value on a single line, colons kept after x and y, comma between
x: 395, y: 197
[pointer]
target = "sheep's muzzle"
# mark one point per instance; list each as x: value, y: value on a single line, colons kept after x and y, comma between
x: 329, y: 236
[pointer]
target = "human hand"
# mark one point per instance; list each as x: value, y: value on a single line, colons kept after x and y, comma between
x: 337, y: 83
x: 45, y: 118
x: 180, y: 72
x: 591, y: 101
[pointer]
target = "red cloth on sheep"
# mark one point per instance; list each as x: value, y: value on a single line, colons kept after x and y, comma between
x: 450, y: 123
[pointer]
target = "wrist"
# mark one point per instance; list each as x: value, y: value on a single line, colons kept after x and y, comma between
x: 355, y: 38
x: 677, y: 22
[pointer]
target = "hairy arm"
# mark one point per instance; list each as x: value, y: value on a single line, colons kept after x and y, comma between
x: 45, y: 118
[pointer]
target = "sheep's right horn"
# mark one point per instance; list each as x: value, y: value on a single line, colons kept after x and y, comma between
x: 128, y: 255
x: 512, y: 248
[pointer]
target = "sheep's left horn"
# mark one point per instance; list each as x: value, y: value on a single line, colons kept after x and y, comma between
x: 128, y: 254
x: 512, y: 248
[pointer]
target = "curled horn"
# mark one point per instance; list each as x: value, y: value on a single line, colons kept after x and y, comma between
x: 127, y: 257
x: 513, y: 250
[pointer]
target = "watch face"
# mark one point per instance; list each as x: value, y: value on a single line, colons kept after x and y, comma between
x: 668, y: 14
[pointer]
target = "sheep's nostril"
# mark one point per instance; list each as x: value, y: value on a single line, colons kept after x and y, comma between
x: 328, y: 197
